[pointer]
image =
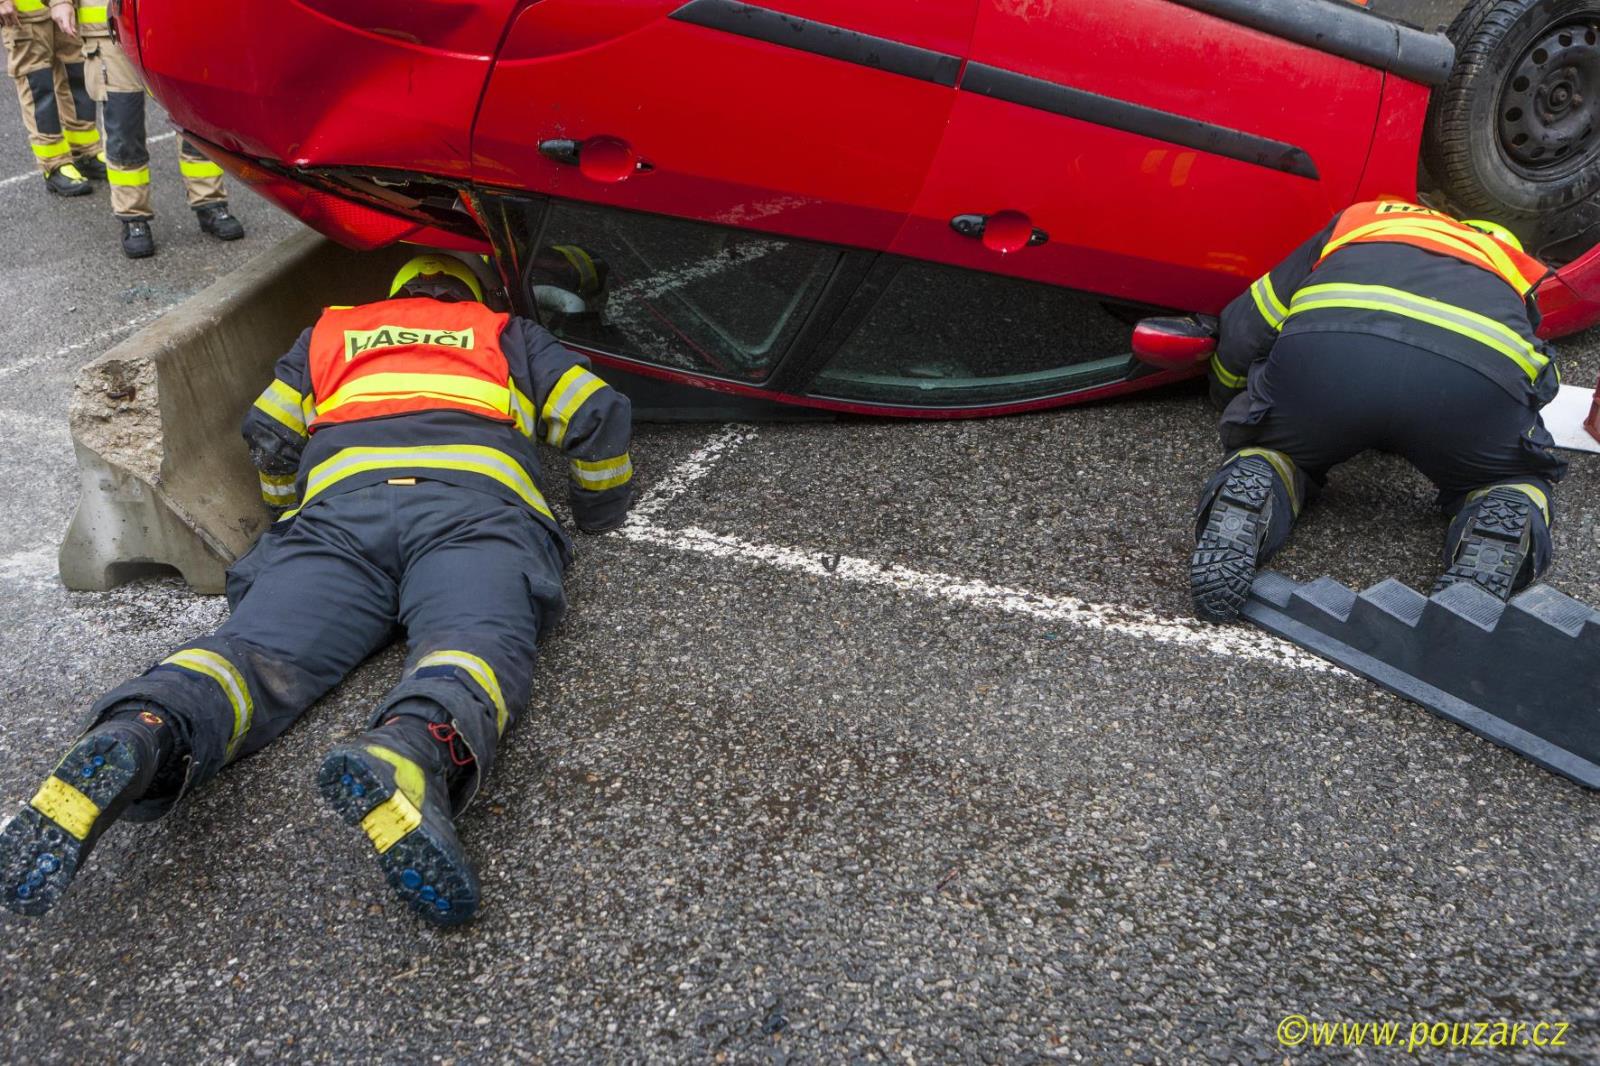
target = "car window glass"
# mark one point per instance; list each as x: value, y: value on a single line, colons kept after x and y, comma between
x: 940, y: 336
x: 680, y: 294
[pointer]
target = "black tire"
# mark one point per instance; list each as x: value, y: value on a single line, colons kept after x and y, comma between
x: 1515, y: 133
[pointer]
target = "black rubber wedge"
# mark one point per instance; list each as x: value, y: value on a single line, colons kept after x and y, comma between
x: 1223, y: 565
x: 45, y: 845
x: 405, y: 813
x: 1495, y: 546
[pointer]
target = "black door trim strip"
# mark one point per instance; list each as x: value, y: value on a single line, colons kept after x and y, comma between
x: 1136, y: 118
x: 820, y: 38
x: 1344, y: 30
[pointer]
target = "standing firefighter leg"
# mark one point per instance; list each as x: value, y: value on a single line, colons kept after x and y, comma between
x: 1245, y: 514
x: 315, y: 609
x: 482, y: 580
x: 202, y: 184
x: 31, y: 62
x: 77, y: 108
x: 1500, y: 539
x: 115, y: 85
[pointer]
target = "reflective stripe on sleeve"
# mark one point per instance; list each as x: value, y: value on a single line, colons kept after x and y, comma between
x: 128, y: 177
x: 565, y: 400
x: 602, y: 474
x: 277, y: 490
x: 469, y: 458
x: 479, y: 671
x: 52, y: 151
x: 523, y: 410
x: 1226, y: 376
x: 1267, y: 301
x: 31, y: 5
x: 284, y: 405
x: 199, y: 168
x: 1459, y: 320
x: 93, y: 15
x: 225, y: 674
x: 456, y: 388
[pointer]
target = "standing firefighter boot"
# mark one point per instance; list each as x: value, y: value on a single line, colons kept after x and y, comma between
x: 67, y: 181
x: 45, y: 845
x: 91, y: 168
x: 1492, y: 547
x: 217, y: 221
x: 1231, y: 538
x: 393, y: 782
x: 137, y: 240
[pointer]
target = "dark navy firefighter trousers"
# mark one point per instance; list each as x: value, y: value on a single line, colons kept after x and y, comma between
x: 470, y: 578
x: 1322, y: 398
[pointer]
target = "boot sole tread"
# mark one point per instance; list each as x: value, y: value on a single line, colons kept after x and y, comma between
x: 1494, y: 547
x: 1223, y: 566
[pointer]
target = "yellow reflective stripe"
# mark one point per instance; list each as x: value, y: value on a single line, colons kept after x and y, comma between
x: 203, y: 168
x: 1281, y: 464
x: 79, y: 138
x: 51, y: 151
x: 570, y: 392
x: 285, y: 405
x: 128, y: 177
x: 458, y: 388
x: 1469, y: 324
x: 522, y: 408
x: 1226, y: 376
x: 92, y: 15
x: 65, y: 805
x: 1533, y: 492
x: 277, y: 490
x: 469, y: 458
x: 232, y: 682
x: 1267, y: 301
x: 581, y: 262
x: 31, y: 5
x: 479, y: 671
x: 602, y: 474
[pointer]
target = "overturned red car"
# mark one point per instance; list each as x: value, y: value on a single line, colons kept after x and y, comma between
x: 914, y: 207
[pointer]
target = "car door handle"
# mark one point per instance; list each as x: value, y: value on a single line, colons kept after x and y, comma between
x: 603, y: 159
x: 1003, y: 231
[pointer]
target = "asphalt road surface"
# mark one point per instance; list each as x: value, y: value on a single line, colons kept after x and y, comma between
x: 865, y: 742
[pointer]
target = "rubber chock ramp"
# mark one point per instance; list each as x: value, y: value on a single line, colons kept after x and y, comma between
x: 1524, y: 674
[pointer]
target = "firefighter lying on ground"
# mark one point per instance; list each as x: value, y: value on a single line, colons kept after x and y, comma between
x: 1396, y: 328
x: 397, y: 442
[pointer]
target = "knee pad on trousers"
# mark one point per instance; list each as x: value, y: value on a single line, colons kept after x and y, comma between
x: 125, y: 142
x: 46, y: 116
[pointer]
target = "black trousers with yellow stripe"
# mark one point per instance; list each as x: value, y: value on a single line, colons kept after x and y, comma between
x: 470, y: 578
x: 1323, y: 398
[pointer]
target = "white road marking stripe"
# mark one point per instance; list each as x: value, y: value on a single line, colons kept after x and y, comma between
x: 1239, y: 642
x: 1236, y: 642
x: 28, y: 362
x: 17, y: 179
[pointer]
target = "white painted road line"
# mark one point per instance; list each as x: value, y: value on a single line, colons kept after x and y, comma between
x: 18, y: 179
x: 1238, y: 642
x: 31, y: 361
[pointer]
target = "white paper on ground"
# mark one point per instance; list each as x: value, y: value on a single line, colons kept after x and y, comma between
x: 1564, y: 419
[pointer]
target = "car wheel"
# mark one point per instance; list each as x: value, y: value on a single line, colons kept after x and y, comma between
x: 1515, y: 133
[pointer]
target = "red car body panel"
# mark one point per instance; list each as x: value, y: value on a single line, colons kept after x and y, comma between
x: 711, y: 121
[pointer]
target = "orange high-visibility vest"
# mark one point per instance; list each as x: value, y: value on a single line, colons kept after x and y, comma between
x: 1397, y: 222
x: 398, y: 357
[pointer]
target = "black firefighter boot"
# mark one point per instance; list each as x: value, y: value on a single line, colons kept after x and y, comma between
x: 394, y: 782
x: 1223, y: 566
x: 217, y: 221
x: 1495, y: 544
x: 109, y: 767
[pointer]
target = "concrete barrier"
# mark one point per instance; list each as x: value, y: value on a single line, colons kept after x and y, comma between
x: 166, y: 479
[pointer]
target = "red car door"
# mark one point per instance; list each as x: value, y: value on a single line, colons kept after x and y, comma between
x: 811, y: 118
x: 1144, y: 149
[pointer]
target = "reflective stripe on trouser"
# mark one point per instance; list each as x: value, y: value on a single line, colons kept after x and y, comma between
x: 471, y: 578
x: 202, y: 179
x: 47, y: 67
x: 1289, y: 489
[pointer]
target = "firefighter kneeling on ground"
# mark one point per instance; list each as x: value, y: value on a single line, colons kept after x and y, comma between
x: 398, y: 442
x: 1396, y: 328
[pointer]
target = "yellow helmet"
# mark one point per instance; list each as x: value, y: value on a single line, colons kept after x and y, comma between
x: 1494, y: 229
x: 435, y: 266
